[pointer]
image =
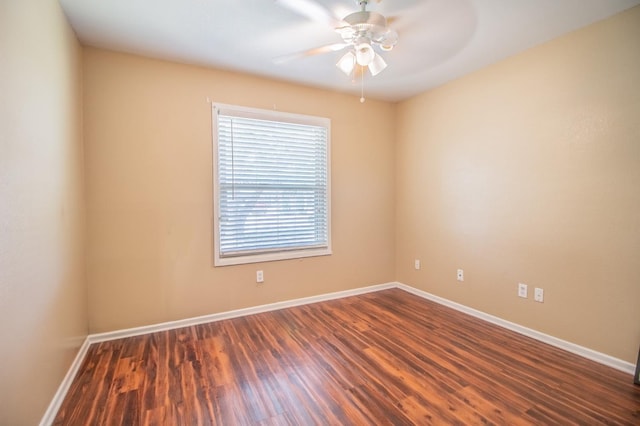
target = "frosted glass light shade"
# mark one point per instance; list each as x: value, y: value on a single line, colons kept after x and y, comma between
x: 364, y: 54
x: 377, y: 65
x: 347, y: 63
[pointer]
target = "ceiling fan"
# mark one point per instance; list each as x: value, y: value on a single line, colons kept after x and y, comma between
x: 360, y: 32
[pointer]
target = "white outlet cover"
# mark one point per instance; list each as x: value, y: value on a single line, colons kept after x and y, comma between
x: 522, y: 290
x: 538, y: 295
x: 460, y: 275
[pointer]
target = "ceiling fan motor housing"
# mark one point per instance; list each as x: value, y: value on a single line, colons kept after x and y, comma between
x: 369, y: 25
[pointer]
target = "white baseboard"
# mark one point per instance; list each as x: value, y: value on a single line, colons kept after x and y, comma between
x: 599, y: 357
x: 53, y: 408
x: 58, y: 397
x: 130, y: 332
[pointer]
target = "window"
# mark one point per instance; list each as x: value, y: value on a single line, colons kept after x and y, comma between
x: 271, y: 185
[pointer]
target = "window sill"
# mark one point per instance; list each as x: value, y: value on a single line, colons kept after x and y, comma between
x: 270, y: 257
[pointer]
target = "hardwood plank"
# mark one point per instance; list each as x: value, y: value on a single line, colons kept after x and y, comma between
x: 387, y: 357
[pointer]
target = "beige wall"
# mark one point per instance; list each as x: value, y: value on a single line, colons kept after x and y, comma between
x: 147, y: 127
x: 43, y: 317
x: 525, y: 171
x: 529, y: 171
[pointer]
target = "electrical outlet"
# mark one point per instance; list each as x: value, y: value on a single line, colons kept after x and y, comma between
x: 416, y: 264
x: 522, y: 290
x: 460, y: 275
x: 538, y: 295
x: 259, y: 276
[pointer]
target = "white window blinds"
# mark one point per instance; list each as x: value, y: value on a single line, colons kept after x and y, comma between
x: 272, y: 182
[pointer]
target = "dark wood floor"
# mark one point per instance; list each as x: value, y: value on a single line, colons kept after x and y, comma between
x: 381, y: 358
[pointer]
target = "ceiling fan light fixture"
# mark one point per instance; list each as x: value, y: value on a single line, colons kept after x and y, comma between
x: 364, y: 54
x: 377, y: 65
x: 347, y: 63
x: 389, y: 40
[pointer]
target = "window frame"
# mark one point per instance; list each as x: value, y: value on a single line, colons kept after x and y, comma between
x: 274, y: 254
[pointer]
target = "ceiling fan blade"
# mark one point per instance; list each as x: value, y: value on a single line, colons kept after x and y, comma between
x: 310, y: 9
x: 391, y: 19
x: 311, y: 52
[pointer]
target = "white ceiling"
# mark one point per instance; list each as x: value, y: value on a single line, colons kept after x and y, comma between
x: 439, y: 40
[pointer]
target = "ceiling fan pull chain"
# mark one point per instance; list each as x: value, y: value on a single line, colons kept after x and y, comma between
x: 362, y: 87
